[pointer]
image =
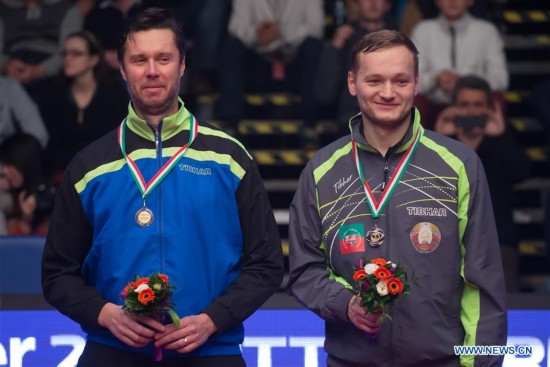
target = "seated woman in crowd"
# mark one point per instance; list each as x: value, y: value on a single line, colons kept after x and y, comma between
x: 82, y: 103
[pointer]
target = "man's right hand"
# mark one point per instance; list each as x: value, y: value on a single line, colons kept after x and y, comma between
x: 130, y: 329
x: 367, y: 322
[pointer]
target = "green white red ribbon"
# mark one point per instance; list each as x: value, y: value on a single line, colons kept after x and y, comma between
x: 377, y: 206
x: 147, y: 187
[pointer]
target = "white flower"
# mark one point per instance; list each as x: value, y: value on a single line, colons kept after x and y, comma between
x: 382, y: 288
x: 370, y: 268
x: 157, y: 286
x: 141, y: 287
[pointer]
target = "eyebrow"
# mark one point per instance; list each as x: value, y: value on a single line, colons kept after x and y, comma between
x: 143, y: 55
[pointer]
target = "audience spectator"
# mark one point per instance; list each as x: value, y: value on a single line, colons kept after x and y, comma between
x: 81, y: 104
x: 204, y: 23
x: 477, y: 121
x: 22, y: 178
x: 18, y: 112
x: 85, y: 6
x: 106, y: 20
x: 454, y: 44
x: 31, y: 36
x: 331, y: 81
x: 413, y: 11
x: 270, y: 43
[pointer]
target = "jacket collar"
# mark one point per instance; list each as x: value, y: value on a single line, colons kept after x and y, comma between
x: 356, y: 127
x: 168, y: 126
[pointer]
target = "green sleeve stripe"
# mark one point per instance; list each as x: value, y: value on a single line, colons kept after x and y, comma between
x: 470, y: 302
x: 320, y: 171
x: 202, y: 156
x: 469, y: 315
x: 224, y: 159
x: 220, y: 134
x: 339, y: 279
x: 101, y: 170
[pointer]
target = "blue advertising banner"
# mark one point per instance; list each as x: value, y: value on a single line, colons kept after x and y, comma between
x: 274, y: 338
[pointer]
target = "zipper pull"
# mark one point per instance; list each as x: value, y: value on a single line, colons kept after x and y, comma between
x: 157, y: 140
x: 386, y: 169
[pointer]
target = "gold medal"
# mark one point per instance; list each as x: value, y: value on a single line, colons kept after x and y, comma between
x: 144, y: 217
x: 375, y: 237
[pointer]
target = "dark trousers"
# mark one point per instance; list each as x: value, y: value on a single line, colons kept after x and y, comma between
x: 243, y: 70
x: 99, y: 355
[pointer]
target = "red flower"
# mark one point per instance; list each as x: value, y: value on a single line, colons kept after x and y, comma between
x: 359, y: 275
x: 382, y: 273
x: 132, y: 286
x: 141, y: 281
x: 395, y: 286
x: 379, y: 261
x: 146, y: 296
x: 164, y: 278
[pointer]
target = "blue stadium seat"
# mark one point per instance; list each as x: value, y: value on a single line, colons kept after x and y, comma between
x: 20, y: 259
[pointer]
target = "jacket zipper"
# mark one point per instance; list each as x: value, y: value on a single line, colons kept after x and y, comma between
x: 387, y: 158
x: 158, y: 151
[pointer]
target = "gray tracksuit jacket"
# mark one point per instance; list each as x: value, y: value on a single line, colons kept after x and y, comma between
x: 438, y: 223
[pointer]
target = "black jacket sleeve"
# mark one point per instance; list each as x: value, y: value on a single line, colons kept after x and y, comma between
x: 67, y: 244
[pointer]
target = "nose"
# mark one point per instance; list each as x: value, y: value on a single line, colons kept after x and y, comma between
x: 152, y: 70
x: 386, y: 90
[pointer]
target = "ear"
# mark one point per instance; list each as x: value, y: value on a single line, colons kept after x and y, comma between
x: 351, y: 83
x: 182, y: 67
x: 122, y: 72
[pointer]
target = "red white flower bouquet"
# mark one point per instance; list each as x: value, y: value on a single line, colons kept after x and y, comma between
x: 150, y: 297
x: 380, y: 282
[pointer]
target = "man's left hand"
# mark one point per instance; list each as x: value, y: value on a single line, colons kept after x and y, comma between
x: 193, y: 332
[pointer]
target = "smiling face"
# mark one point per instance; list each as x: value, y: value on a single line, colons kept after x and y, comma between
x: 152, y: 68
x: 385, y: 84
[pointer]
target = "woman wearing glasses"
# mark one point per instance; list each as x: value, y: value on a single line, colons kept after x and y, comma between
x: 82, y: 103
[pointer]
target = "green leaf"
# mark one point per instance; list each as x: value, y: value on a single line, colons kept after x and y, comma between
x: 174, y: 316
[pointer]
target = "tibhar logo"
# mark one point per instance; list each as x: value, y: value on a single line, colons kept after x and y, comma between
x: 430, y: 212
x: 195, y: 170
x: 341, y: 182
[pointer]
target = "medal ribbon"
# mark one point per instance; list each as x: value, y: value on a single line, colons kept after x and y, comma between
x: 147, y: 187
x: 377, y: 206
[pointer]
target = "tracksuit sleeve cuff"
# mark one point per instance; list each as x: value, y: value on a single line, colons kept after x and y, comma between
x: 341, y: 303
x: 91, y: 315
x: 220, y: 316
